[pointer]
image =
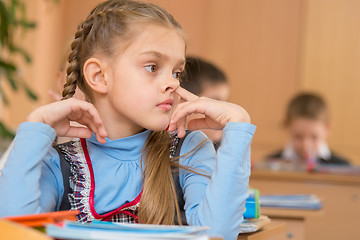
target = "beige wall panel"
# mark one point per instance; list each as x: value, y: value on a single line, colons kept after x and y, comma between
x: 192, y: 16
x: 331, y: 66
x: 76, y: 12
x: 256, y: 42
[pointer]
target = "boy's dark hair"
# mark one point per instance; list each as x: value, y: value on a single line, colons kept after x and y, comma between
x: 198, y: 73
x: 307, y: 105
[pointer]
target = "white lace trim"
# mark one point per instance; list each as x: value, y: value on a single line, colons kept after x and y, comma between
x: 85, y: 193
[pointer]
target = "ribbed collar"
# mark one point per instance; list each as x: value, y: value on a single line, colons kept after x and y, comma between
x: 125, y: 149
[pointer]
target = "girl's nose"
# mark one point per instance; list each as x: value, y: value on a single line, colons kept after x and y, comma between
x: 170, y: 84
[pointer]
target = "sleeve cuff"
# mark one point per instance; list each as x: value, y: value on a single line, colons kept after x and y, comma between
x: 240, y: 126
x: 37, y: 127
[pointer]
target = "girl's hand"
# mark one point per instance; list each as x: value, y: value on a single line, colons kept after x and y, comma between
x: 216, y: 113
x: 59, y: 114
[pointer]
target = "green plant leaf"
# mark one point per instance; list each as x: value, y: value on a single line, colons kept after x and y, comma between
x: 11, y: 81
x: 30, y: 93
x: 15, y: 49
x: 12, y: 10
x: 4, y: 25
x: 5, y: 132
x: 3, y: 97
x: 25, y: 24
x: 7, y: 66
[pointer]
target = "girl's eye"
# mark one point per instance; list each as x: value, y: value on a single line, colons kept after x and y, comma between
x: 151, y: 68
x: 177, y: 75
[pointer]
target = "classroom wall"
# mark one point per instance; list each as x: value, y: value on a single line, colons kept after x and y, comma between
x: 269, y: 50
x: 331, y: 65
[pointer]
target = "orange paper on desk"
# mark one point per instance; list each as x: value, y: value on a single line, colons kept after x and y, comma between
x: 41, y: 219
x: 12, y: 231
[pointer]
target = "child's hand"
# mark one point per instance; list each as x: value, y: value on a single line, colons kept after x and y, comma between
x: 216, y: 113
x: 59, y: 114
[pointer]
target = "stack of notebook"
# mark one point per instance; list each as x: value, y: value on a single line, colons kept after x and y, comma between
x: 297, y: 201
x: 109, y: 230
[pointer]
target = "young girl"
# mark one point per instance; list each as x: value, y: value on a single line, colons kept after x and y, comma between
x: 127, y: 57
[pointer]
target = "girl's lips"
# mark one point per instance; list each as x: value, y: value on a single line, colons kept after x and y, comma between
x: 166, y: 105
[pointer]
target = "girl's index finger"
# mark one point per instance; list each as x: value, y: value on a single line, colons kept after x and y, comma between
x: 185, y: 94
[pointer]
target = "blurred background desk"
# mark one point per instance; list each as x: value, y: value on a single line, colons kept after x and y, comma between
x: 340, y: 195
x: 296, y: 220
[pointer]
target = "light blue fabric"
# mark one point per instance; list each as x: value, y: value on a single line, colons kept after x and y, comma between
x: 31, y: 181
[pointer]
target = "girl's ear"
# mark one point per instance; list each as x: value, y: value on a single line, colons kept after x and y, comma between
x: 94, y: 74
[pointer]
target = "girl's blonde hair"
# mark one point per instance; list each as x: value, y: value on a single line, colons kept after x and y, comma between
x: 108, y: 27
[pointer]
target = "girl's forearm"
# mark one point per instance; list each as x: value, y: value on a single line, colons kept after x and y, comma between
x: 20, y: 179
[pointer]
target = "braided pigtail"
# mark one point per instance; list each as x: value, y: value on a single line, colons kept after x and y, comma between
x: 73, y: 69
x: 77, y: 57
x: 92, y: 35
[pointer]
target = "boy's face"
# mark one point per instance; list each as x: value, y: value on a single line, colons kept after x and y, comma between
x: 306, y: 135
x: 219, y: 91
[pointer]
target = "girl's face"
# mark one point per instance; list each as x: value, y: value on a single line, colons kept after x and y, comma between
x: 306, y: 135
x: 143, y: 78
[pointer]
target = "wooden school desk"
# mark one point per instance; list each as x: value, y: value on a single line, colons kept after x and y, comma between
x: 340, y: 195
x: 271, y: 231
x: 296, y: 220
x: 13, y: 231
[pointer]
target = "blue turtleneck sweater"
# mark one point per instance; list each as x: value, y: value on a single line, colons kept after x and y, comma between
x: 31, y: 181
